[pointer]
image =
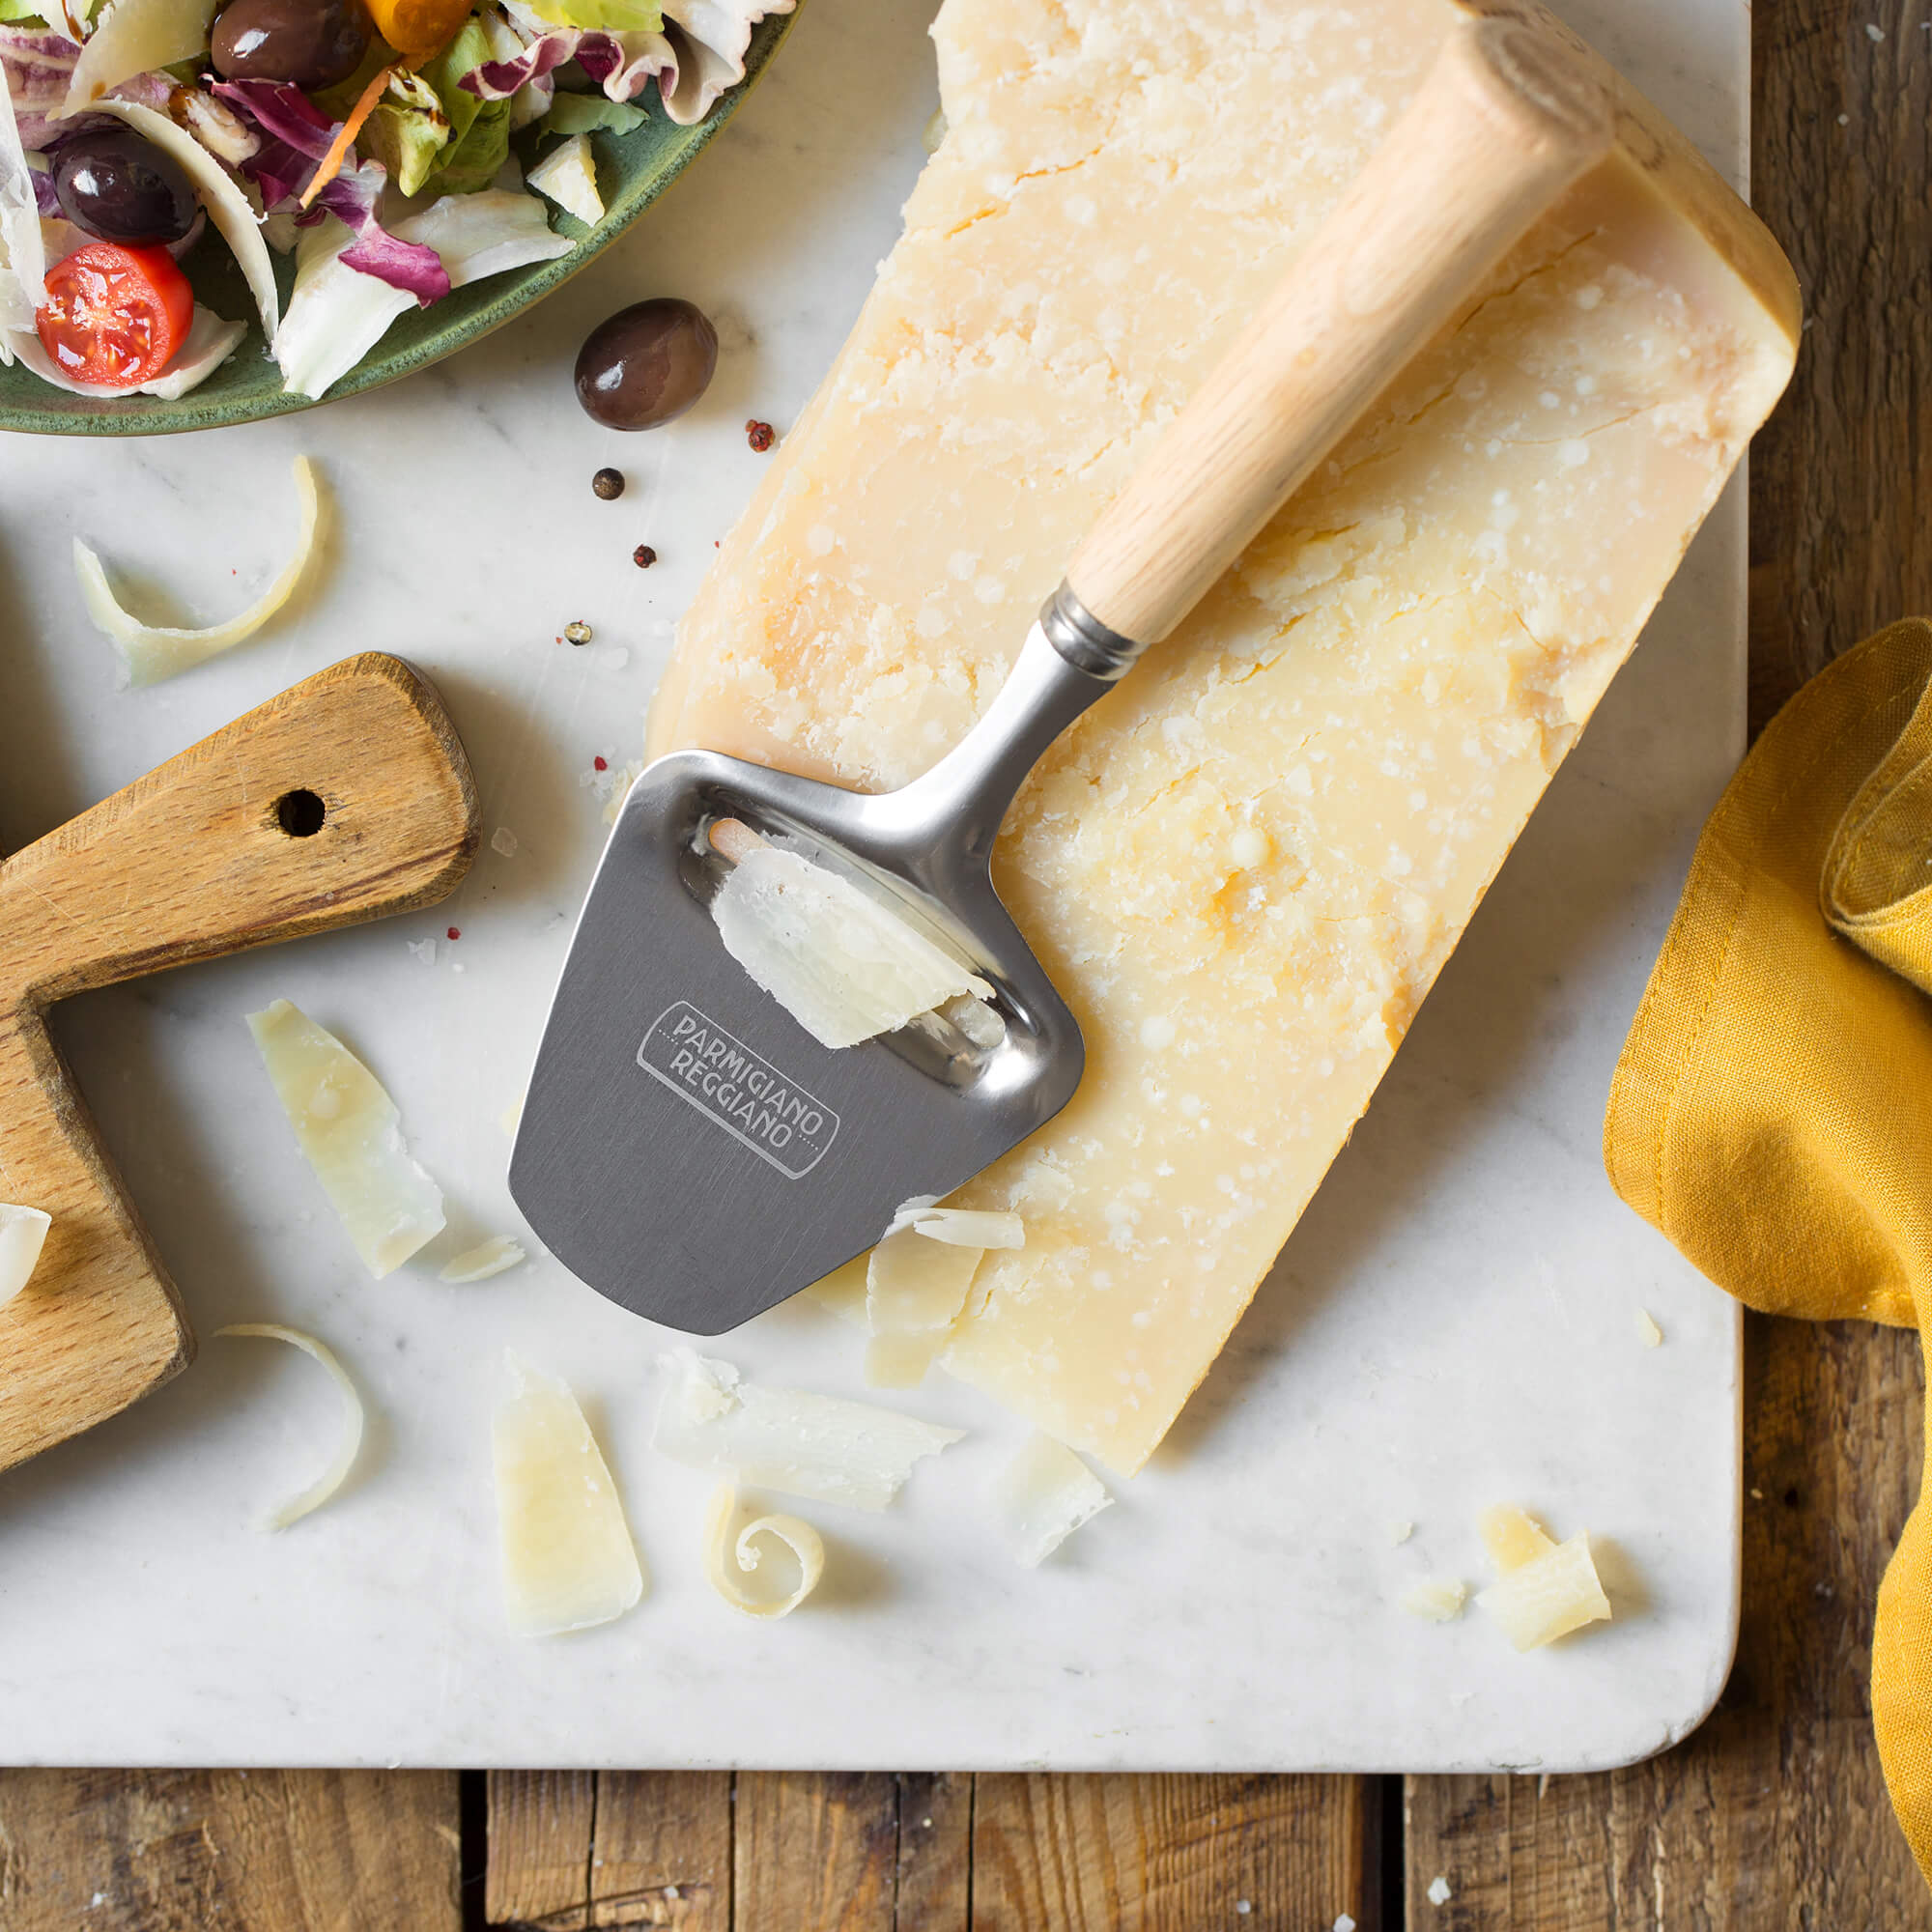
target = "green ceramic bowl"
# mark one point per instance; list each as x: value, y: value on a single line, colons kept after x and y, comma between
x: 634, y: 169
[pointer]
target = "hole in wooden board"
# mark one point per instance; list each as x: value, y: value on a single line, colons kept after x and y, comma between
x: 299, y: 814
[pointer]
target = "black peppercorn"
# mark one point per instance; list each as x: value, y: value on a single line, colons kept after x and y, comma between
x: 608, y: 484
x: 643, y: 557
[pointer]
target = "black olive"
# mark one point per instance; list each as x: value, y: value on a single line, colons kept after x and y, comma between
x: 646, y: 364
x: 119, y: 187
x: 311, y: 43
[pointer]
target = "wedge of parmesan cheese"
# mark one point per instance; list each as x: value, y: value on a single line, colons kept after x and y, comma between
x: 568, y: 1559
x: 788, y: 1440
x: 1245, y: 867
x: 349, y: 1129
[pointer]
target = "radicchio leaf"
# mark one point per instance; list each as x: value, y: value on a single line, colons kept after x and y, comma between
x: 353, y: 197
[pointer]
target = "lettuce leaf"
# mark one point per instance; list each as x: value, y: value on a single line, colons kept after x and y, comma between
x: 431, y: 132
x: 589, y: 113
x: 602, y: 17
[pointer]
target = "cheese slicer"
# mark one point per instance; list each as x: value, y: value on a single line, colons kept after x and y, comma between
x: 346, y: 798
x: 687, y: 1147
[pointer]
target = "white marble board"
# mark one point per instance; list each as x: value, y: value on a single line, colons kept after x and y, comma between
x: 1454, y: 1322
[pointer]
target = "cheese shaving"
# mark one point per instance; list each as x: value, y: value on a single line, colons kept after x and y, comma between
x: 1437, y: 1601
x: 23, y: 1231
x: 568, y: 1559
x: 1511, y: 1538
x: 486, y: 1259
x: 1647, y: 1330
x: 1548, y: 1589
x: 916, y: 1287
x: 975, y: 1228
x: 844, y: 965
x: 153, y: 652
x: 731, y: 1562
x: 1043, y: 1496
x: 332, y: 1478
x: 568, y: 176
x: 136, y: 37
x: 802, y: 1444
x: 900, y: 1361
x: 20, y: 234
x: 210, y: 343
x: 351, y: 1133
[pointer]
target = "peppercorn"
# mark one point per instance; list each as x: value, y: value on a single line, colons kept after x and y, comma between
x: 578, y: 633
x: 758, y: 435
x: 608, y: 484
x: 643, y: 557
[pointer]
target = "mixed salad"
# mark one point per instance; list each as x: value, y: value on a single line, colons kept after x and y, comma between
x: 371, y: 139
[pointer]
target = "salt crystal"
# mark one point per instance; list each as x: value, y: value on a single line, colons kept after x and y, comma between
x: 503, y: 841
x: 1438, y: 1891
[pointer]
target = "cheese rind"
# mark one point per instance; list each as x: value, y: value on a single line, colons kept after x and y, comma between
x: 1245, y: 867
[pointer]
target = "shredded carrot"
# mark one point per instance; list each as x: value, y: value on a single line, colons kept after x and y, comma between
x: 330, y: 164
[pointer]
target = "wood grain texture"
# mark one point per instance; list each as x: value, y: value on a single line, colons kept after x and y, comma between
x: 229, y: 1850
x: 1173, y: 1854
x: 1774, y: 1813
x: 189, y: 863
x: 569, y: 1851
x: 817, y: 1851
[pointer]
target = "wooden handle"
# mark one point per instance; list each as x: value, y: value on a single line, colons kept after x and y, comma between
x: 343, y: 799
x: 1513, y: 110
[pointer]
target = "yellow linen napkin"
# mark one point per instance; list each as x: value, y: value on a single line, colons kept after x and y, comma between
x: 1772, y: 1112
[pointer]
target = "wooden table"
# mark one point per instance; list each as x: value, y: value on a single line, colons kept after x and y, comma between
x: 1773, y: 1816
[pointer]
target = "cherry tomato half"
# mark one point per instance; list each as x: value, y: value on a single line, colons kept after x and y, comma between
x: 115, y: 316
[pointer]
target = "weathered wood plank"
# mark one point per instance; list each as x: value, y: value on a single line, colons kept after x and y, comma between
x: 229, y: 1850
x: 1172, y: 1853
x: 815, y: 1851
x: 661, y: 1853
x: 1776, y: 1813
x: 935, y: 1852
x: 540, y: 1829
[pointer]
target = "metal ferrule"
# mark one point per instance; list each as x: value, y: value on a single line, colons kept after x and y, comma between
x: 1083, y: 641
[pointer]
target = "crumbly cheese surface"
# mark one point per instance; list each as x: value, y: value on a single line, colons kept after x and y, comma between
x: 1245, y: 867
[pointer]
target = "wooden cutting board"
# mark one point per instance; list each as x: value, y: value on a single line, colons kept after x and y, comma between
x: 345, y: 798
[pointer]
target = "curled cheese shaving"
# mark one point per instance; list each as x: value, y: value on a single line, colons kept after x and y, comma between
x: 152, y: 651
x: 730, y: 1561
x: 332, y: 1478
